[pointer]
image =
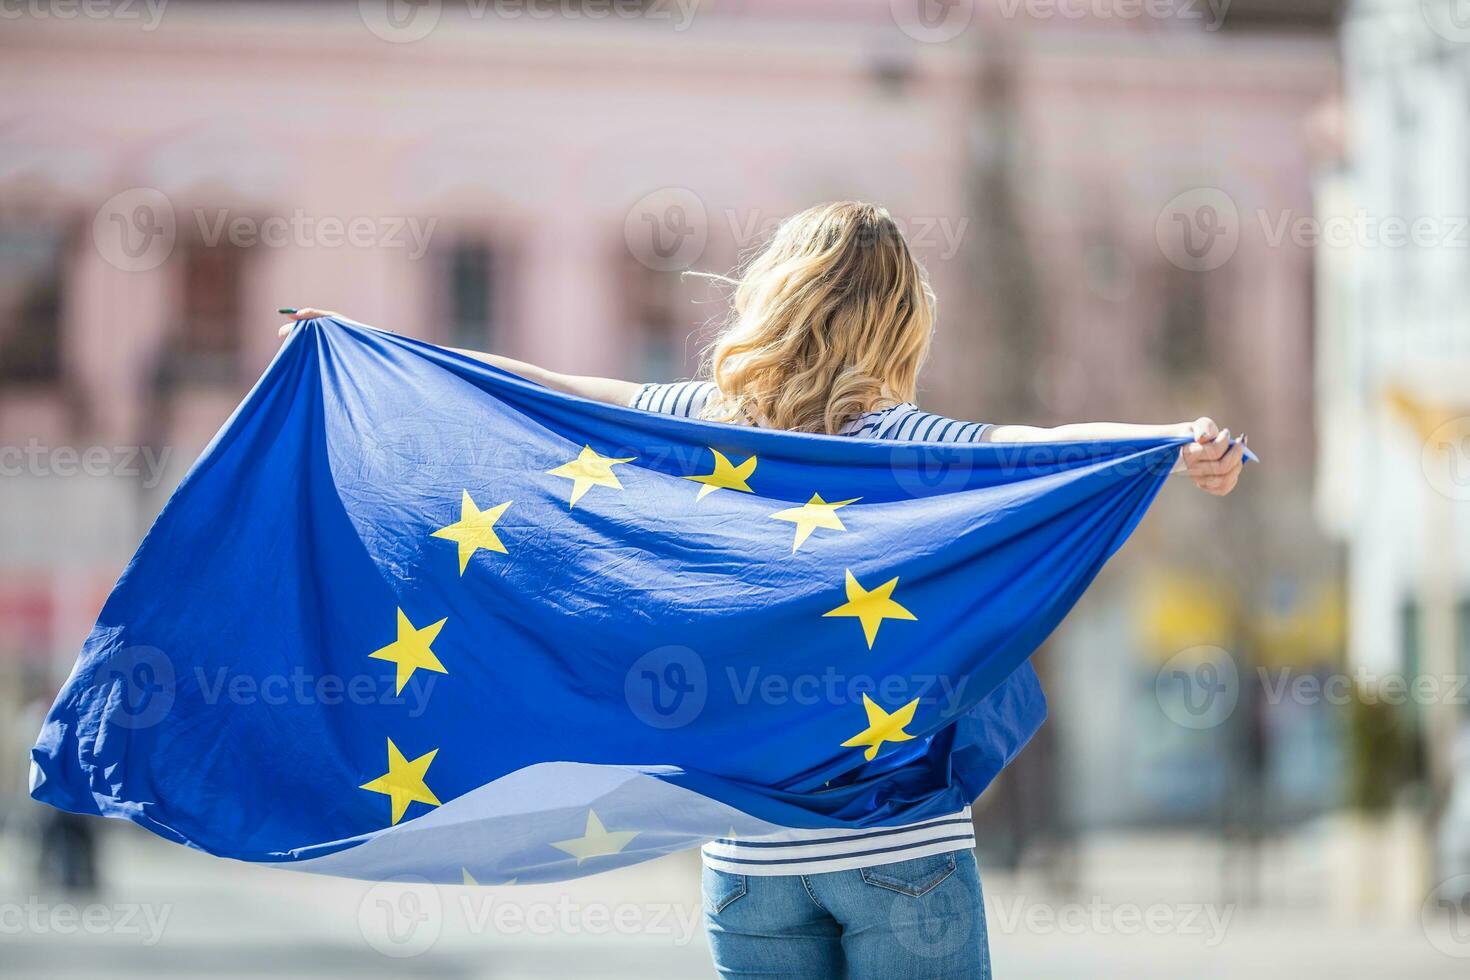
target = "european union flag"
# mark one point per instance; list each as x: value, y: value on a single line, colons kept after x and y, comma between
x: 409, y: 614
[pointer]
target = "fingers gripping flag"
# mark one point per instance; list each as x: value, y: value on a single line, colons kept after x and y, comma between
x: 409, y: 614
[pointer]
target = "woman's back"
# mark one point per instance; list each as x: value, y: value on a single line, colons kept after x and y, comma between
x: 1011, y: 715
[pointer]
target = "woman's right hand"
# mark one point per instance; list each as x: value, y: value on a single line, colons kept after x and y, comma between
x: 1213, y: 461
x: 303, y: 314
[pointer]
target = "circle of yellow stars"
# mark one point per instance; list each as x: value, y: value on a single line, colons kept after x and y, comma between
x: 405, y: 782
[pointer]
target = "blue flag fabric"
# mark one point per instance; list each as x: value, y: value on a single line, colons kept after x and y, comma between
x: 409, y: 614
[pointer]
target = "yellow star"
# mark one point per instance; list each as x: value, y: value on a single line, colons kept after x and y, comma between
x: 727, y: 476
x: 597, y: 842
x: 871, y: 608
x: 882, y: 727
x: 811, y: 515
x: 411, y: 650
x: 590, y: 469
x: 403, y: 783
x: 474, y: 530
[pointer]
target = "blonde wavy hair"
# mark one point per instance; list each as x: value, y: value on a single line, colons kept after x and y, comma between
x: 832, y: 320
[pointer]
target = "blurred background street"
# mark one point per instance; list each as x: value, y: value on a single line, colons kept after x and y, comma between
x: 1258, y: 758
x: 1145, y: 907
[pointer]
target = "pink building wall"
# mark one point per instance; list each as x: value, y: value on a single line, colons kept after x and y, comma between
x: 544, y: 135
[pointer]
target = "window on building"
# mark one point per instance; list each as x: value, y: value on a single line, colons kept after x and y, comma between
x: 32, y: 266
x: 658, y: 334
x: 1267, y: 15
x: 475, y: 305
x: 210, y: 327
x: 1183, y: 339
x: 1411, y: 632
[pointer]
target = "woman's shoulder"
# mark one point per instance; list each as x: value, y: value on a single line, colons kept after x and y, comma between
x: 907, y: 422
x: 686, y: 398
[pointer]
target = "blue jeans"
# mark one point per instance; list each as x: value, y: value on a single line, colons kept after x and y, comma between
x: 921, y: 919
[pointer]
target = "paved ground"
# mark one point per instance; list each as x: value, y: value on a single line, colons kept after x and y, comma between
x: 1138, y: 909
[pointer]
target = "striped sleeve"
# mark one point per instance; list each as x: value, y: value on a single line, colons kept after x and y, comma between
x: 908, y: 424
x: 799, y: 852
x: 684, y: 398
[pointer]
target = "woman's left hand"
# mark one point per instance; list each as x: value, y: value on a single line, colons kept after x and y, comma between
x: 307, y: 313
x: 1211, y: 461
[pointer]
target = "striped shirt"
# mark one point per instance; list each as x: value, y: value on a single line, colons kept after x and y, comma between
x: 801, y: 852
x: 903, y: 422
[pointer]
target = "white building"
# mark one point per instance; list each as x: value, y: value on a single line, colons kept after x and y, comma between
x: 1393, y: 352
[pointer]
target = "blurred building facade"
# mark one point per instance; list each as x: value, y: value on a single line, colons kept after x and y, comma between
x: 536, y: 185
x: 1393, y: 355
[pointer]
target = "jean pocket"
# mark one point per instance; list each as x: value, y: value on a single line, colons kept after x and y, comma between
x: 915, y: 877
x: 721, y: 888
